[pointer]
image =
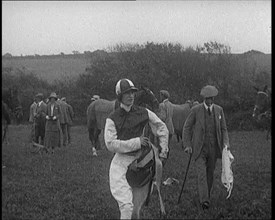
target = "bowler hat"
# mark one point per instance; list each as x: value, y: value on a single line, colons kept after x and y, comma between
x: 209, y: 91
x: 53, y: 95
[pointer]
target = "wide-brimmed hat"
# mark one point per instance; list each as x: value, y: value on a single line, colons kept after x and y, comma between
x: 165, y: 93
x: 95, y: 97
x: 53, y: 95
x: 39, y: 95
x: 209, y: 91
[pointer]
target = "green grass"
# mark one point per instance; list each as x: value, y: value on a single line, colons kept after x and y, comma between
x: 77, y: 185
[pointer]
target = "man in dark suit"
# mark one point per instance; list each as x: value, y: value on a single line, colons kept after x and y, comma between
x: 205, y: 134
x: 40, y: 119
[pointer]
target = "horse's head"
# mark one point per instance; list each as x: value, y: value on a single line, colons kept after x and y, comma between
x: 11, y: 98
x: 262, y: 103
x: 147, y: 97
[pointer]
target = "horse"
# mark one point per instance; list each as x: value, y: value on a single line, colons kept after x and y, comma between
x: 98, y: 111
x: 10, y: 109
x: 10, y: 96
x: 262, y: 109
x: 180, y: 114
x: 6, y: 120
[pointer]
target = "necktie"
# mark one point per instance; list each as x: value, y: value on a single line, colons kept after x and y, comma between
x: 52, y: 110
x: 209, y: 112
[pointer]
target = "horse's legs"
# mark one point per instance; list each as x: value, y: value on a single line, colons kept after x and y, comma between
x: 157, y: 182
x: 93, y: 136
x: 139, y: 197
x: 97, y: 142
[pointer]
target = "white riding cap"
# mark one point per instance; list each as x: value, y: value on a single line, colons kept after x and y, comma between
x: 124, y: 85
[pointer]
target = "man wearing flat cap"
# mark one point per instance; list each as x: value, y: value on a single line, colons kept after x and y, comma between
x: 205, y: 135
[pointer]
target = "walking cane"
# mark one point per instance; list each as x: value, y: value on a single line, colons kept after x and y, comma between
x: 190, y: 155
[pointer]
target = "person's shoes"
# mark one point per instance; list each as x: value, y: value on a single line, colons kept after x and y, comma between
x: 205, y: 205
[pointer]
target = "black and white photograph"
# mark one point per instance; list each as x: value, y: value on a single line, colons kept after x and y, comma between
x: 136, y: 109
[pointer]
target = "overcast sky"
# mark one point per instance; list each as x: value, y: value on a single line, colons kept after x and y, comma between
x: 35, y: 27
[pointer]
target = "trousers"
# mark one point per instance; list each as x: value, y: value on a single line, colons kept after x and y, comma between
x: 205, y: 167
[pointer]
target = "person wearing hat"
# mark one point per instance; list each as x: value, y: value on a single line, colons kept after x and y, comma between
x: 204, y: 136
x: 31, y: 118
x: 123, y: 136
x: 69, y: 118
x: 39, y: 119
x: 63, y: 119
x: 166, y: 112
x: 95, y: 97
x: 52, y: 139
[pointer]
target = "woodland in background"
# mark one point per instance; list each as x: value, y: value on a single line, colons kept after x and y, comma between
x: 181, y: 71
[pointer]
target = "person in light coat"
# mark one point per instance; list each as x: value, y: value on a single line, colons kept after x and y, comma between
x: 69, y: 118
x: 53, y: 129
x: 123, y: 136
x: 205, y: 135
x: 31, y: 118
x: 166, y: 112
x: 40, y: 119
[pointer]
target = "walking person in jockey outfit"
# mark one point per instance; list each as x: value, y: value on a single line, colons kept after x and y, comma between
x: 123, y: 136
x: 205, y: 134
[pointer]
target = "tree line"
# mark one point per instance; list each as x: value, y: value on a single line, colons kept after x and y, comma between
x: 181, y: 71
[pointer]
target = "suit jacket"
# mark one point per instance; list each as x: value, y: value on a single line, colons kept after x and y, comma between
x: 32, y: 111
x: 166, y: 114
x: 194, y: 129
x: 40, y: 115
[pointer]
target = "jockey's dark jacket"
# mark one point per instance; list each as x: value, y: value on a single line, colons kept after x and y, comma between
x: 129, y: 124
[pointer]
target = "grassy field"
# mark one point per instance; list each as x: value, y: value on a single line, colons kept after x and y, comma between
x: 77, y: 185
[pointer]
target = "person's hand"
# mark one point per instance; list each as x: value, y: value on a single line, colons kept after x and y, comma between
x: 143, y: 141
x: 54, y: 117
x: 188, y: 150
x: 163, y: 160
x: 47, y: 117
x: 227, y: 145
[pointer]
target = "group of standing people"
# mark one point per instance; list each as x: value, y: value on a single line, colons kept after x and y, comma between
x: 51, y: 121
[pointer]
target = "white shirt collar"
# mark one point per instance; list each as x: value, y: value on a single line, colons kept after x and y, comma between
x: 206, y: 107
x: 165, y: 100
x: 39, y: 103
x: 125, y: 107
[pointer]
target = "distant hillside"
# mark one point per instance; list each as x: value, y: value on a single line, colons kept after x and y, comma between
x: 54, y: 67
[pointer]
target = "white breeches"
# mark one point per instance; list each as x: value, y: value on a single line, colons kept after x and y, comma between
x: 119, y: 186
